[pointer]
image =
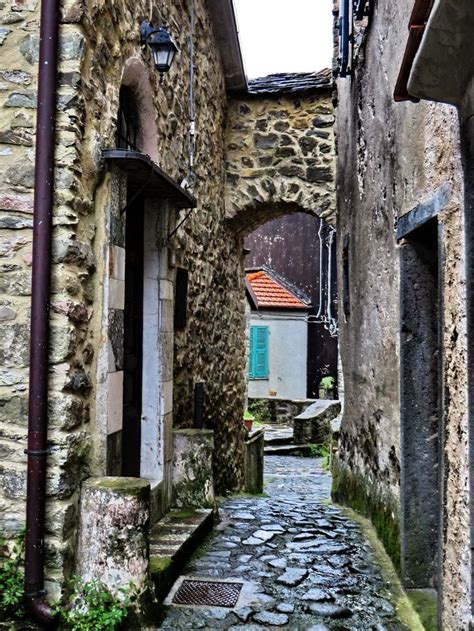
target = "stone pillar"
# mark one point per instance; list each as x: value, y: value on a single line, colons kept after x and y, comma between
x: 193, y: 484
x: 113, y: 531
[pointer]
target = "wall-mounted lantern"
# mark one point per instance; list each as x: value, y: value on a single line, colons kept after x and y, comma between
x: 163, y: 46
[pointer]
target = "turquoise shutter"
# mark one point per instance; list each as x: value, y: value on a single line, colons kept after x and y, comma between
x: 258, y: 360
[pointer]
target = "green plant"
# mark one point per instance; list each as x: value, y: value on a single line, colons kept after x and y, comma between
x: 91, y: 605
x: 318, y: 450
x: 248, y: 416
x: 260, y: 409
x: 327, y: 383
x: 11, y: 578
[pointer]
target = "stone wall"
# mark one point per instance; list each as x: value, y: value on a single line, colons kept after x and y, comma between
x: 391, y: 158
x: 263, y: 136
x: 99, y: 51
x: 280, y: 157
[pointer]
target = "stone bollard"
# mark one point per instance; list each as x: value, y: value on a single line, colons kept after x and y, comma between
x: 113, y: 532
x: 193, y: 485
x: 254, y: 456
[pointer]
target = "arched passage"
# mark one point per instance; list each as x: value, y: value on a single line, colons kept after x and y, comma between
x: 280, y: 172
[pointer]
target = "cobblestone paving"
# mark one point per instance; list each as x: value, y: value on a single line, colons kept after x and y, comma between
x: 307, y: 565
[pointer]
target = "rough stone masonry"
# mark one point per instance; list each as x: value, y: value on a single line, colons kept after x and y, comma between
x: 290, y: 145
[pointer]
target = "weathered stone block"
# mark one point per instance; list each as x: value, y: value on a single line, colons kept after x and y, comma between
x: 7, y: 313
x: 19, y: 77
x: 265, y: 141
x: 13, y: 483
x: 15, y: 223
x: 3, y: 34
x: 22, y: 99
x: 319, y: 174
x: 193, y: 484
x: 22, y: 174
x: 14, y: 347
x: 113, y: 532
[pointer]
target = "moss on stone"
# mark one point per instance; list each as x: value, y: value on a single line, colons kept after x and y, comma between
x: 127, y: 486
x: 183, y: 513
x: 160, y: 564
x: 355, y: 491
x: 193, y: 432
x: 405, y: 610
x: 425, y: 603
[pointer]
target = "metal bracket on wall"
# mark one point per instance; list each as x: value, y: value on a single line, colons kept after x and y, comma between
x: 137, y: 193
x: 173, y: 232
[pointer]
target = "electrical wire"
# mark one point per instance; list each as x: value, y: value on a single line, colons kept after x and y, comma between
x: 192, y: 113
x: 318, y: 315
x: 324, y: 315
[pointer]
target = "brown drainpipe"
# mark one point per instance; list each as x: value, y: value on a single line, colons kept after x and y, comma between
x: 40, y: 298
x: 416, y: 28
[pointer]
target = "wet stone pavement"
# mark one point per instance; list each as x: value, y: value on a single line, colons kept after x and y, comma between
x: 304, y: 563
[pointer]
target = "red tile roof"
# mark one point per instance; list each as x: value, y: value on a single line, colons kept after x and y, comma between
x: 269, y: 293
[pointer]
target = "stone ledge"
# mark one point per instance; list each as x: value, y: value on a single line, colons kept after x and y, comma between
x: 314, y: 424
x: 172, y: 541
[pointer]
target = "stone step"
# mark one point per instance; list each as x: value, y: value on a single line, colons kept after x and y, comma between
x: 172, y: 541
x: 276, y: 435
x: 288, y: 450
x: 273, y: 441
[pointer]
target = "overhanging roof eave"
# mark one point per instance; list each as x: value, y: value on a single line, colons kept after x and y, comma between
x: 143, y: 173
x: 227, y: 34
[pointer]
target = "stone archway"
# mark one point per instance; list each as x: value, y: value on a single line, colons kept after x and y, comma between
x: 281, y: 161
x: 135, y: 77
x: 280, y: 157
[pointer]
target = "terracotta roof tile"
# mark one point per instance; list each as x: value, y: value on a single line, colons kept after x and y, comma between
x: 271, y: 294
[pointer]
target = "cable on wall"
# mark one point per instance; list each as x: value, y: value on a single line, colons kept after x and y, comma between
x: 192, y: 113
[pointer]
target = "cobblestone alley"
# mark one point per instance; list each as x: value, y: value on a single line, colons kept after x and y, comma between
x: 306, y: 564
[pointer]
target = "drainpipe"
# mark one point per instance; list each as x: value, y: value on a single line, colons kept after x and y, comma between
x: 40, y: 298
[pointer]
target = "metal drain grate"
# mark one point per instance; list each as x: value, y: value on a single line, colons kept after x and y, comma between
x: 212, y: 593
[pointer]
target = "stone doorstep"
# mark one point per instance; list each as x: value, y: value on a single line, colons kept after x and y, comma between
x: 172, y: 541
x: 288, y: 450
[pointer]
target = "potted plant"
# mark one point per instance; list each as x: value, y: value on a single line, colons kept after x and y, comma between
x: 248, y: 420
x: 326, y: 388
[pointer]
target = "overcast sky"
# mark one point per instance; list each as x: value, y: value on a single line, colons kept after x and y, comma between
x: 284, y: 35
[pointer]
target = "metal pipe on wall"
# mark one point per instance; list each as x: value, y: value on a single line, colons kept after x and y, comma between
x: 40, y: 299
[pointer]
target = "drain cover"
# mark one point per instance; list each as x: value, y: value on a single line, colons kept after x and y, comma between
x: 213, y: 593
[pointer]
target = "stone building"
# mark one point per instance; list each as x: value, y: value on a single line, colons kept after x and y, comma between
x: 404, y: 452
x: 156, y: 184
x: 116, y: 253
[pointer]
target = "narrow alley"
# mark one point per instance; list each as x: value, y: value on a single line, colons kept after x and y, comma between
x: 303, y: 563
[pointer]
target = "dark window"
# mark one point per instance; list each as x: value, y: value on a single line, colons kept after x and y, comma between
x: 127, y: 124
x: 181, y: 299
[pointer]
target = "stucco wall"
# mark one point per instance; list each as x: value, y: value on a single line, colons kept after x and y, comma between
x: 287, y: 356
x: 391, y: 157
